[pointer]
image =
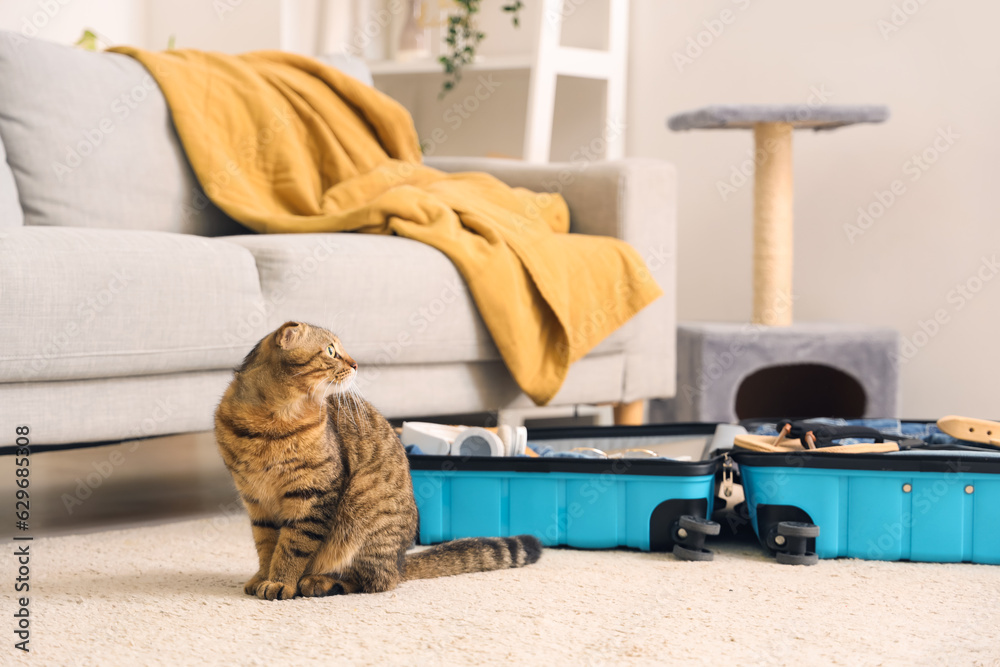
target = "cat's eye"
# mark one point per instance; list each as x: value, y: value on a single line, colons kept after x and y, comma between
x: 332, y: 352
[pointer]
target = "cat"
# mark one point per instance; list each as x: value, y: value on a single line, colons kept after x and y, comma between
x: 326, y: 481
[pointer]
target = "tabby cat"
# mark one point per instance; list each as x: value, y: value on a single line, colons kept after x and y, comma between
x: 325, y: 479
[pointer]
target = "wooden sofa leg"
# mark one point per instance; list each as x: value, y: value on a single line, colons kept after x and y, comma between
x: 629, y: 414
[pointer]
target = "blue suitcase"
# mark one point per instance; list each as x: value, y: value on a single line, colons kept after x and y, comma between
x: 577, y: 502
x: 918, y: 505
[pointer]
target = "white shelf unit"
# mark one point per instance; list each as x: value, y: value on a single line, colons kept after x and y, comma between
x: 546, y: 61
x: 431, y: 66
x: 576, y: 46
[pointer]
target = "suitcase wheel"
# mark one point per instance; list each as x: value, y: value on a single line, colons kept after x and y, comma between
x: 692, y: 554
x: 798, y: 529
x: 791, y: 538
x: 786, y: 558
x: 689, y: 533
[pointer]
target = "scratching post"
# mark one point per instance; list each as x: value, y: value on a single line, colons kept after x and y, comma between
x: 772, y: 189
x: 727, y: 372
x: 772, y: 224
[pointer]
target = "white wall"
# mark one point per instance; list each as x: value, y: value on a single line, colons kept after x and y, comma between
x: 221, y: 25
x: 115, y: 21
x: 232, y: 26
x: 938, y: 72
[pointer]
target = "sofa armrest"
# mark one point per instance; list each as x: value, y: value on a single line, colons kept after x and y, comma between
x: 634, y: 200
x: 605, y: 198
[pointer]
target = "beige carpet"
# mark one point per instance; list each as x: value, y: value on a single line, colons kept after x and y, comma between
x: 171, y: 594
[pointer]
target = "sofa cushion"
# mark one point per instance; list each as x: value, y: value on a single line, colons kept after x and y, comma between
x: 391, y: 300
x: 94, y: 303
x: 90, y: 142
x: 10, y: 208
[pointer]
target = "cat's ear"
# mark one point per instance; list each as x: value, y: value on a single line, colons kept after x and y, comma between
x: 288, y: 334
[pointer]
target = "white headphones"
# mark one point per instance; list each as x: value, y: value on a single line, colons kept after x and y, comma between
x: 443, y: 440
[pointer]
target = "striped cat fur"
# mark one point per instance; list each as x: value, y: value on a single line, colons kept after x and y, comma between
x: 325, y: 479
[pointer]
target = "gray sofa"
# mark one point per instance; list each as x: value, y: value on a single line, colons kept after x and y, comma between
x: 126, y: 298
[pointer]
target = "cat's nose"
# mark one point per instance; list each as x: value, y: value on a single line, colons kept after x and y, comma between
x: 354, y: 365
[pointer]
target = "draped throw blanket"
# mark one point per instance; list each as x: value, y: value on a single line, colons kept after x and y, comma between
x: 282, y: 143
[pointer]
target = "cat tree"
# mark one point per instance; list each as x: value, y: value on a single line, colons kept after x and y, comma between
x: 719, y: 364
x: 772, y: 192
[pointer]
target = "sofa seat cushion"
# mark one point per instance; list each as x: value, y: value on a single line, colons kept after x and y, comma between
x: 93, y: 303
x: 391, y: 300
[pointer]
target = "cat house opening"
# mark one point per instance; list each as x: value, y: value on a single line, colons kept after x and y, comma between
x: 800, y: 390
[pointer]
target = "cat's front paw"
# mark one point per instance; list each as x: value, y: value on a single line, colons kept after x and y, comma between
x: 275, y: 590
x: 250, y: 588
x: 318, y: 585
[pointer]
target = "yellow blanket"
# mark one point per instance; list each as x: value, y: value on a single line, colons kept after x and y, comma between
x: 283, y: 143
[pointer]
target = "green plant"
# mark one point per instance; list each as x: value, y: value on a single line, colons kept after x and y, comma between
x: 463, y: 38
x: 88, y: 41
x: 514, y: 9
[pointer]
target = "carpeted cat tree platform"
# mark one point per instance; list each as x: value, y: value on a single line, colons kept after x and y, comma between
x: 772, y: 367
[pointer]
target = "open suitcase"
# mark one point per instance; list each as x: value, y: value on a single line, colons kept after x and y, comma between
x: 652, y: 504
x: 935, y: 505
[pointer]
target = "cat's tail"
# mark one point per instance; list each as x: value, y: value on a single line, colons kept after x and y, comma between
x: 473, y: 554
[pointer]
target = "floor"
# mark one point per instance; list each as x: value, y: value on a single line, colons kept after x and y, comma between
x: 171, y: 594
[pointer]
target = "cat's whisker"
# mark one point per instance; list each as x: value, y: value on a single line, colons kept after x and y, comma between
x: 357, y: 406
x: 362, y: 404
x: 326, y: 393
x: 343, y: 403
x: 350, y: 412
